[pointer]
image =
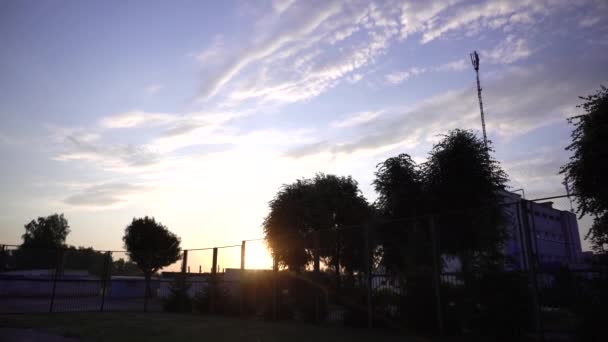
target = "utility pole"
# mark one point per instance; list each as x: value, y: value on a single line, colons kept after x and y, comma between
x: 475, y: 62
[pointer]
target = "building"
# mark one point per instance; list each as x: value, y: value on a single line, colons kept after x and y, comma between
x: 554, y: 239
x: 131, y: 286
x: 44, y: 283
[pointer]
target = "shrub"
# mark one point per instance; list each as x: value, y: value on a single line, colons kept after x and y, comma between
x: 224, y: 302
x: 178, y: 299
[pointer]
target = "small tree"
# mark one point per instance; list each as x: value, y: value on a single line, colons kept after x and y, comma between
x: 151, y: 246
x: 588, y: 166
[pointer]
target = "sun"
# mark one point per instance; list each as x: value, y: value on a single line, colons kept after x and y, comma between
x: 257, y: 255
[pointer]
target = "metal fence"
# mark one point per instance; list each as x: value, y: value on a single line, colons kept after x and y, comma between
x: 368, y: 275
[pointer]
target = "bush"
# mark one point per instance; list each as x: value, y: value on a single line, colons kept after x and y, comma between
x: 224, y: 302
x: 178, y: 299
x: 495, y: 304
x: 592, y: 310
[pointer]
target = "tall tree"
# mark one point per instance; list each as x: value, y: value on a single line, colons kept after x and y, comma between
x: 151, y: 246
x: 464, y: 184
x: 327, y: 204
x: 42, y: 240
x: 401, y: 202
x: 50, y: 232
x: 588, y: 166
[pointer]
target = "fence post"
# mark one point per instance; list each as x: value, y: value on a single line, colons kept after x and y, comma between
x: 532, y: 265
x: 58, y: 268
x: 242, y: 282
x: 105, y: 275
x: 317, y: 274
x: 368, y: 273
x: 184, y: 261
x: 212, y: 284
x: 436, y: 273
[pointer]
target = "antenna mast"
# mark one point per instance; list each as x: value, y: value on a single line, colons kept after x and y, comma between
x: 475, y: 62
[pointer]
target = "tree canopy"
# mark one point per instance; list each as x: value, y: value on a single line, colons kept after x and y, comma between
x: 464, y: 184
x: 400, y: 188
x: 151, y: 245
x: 326, y: 204
x: 585, y: 172
x: 460, y: 184
x: 48, y: 232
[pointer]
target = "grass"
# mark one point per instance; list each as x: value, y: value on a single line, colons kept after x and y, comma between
x: 174, y: 327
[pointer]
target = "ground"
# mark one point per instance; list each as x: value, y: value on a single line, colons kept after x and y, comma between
x: 173, y: 327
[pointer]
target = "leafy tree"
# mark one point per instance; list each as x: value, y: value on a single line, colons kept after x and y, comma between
x: 402, y: 201
x: 325, y: 203
x: 82, y: 258
x: 41, y: 241
x: 125, y: 268
x: 464, y: 184
x: 151, y: 246
x: 50, y: 232
x: 587, y: 168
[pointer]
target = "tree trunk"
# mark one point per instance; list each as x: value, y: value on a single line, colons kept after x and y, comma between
x: 148, y: 291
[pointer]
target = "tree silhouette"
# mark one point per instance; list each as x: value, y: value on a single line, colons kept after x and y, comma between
x: 151, y: 246
x: 48, y: 232
x: 464, y: 186
x: 325, y: 203
x: 588, y: 166
x: 41, y: 241
x: 402, y: 201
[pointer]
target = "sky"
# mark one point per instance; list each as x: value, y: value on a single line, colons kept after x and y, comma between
x: 196, y: 112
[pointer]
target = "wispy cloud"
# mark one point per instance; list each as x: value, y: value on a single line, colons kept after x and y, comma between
x: 398, y: 77
x: 214, y: 54
x: 356, y: 119
x: 281, y: 5
x: 110, y: 157
x: 136, y: 118
x: 511, y: 110
x: 511, y: 50
x: 153, y: 88
x: 104, y: 195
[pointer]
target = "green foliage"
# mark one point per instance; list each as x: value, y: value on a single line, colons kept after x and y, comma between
x: 47, y: 232
x: 400, y: 188
x: 324, y: 203
x: 587, y: 168
x: 151, y: 246
x: 460, y: 174
x: 598, y: 233
x: 41, y: 241
x: 178, y: 299
x: 464, y: 184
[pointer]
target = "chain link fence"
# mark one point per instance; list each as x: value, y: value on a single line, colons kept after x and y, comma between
x: 391, y: 274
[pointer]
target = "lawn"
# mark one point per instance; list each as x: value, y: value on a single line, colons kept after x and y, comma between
x: 172, y: 327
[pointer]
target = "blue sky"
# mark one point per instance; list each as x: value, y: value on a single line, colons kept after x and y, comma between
x: 196, y: 112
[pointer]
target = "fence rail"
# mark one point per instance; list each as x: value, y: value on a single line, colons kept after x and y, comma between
x: 360, y: 286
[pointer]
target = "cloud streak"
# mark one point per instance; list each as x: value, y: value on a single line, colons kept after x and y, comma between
x: 104, y: 195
